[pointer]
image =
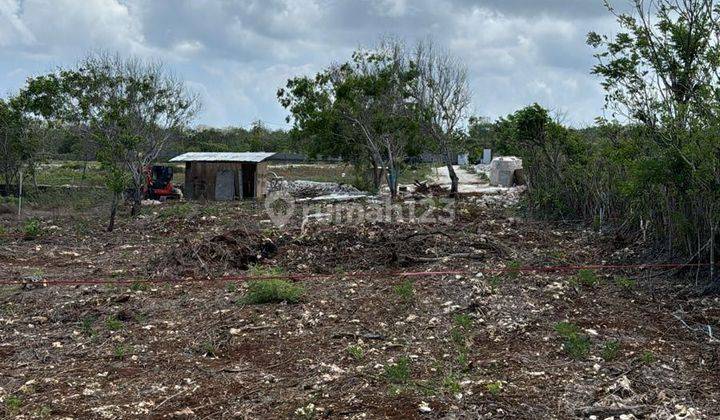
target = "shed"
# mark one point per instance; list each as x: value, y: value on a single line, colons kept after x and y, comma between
x: 224, y: 176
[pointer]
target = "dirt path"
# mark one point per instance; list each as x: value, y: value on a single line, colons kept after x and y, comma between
x: 468, y: 182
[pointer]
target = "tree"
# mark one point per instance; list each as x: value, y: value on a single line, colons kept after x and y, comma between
x: 130, y: 109
x: 18, y: 147
x: 360, y: 109
x: 661, y: 72
x: 444, y: 95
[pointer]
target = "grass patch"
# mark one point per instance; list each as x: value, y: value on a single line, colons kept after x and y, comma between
x: 625, y: 283
x: 113, y: 324
x: 13, y: 403
x: 273, y: 291
x: 405, y: 290
x: 494, y: 388
x: 463, y: 321
x: 647, y: 357
x: 610, y: 350
x: 584, y: 278
x: 356, y: 352
x: 513, y: 269
x: 398, y: 372
x: 576, y: 345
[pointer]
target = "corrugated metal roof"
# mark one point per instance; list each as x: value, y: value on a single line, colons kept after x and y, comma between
x: 222, y: 157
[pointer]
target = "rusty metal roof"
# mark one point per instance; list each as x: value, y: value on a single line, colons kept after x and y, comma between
x: 222, y: 157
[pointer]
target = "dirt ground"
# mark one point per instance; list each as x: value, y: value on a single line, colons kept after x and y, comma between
x: 363, y: 342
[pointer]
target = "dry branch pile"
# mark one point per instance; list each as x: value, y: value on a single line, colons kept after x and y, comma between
x: 236, y: 249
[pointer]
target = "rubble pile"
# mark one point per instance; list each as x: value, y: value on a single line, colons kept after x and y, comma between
x: 309, y: 189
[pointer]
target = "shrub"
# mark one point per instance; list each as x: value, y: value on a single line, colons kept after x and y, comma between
x: 398, y: 372
x: 625, y: 283
x: 31, y: 228
x: 273, y: 291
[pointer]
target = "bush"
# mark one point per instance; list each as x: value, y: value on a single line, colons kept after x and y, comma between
x: 31, y: 228
x: 273, y: 291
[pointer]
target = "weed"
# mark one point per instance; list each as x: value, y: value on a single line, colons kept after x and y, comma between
x: 458, y: 336
x: 208, y: 349
x: 405, y: 290
x: 180, y: 211
x: 463, y: 321
x: 398, y: 372
x: 356, y: 352
x: 513, y: 269
x: 2, y: 231
x: 113, y: 324
x: 138, y: 286
x: 463, y: 361
x: 576, y: 344
x: 121, y: 351
x: 43, y: 412
x: 647, y: 357
x: 13, y: 403
x: 495, y: 282
x: 451, y: 384
x: 231, y: 287
x: 625, y: 283
x: 273, y: 291
x: 610, y: 350
x: 494, y: 388
x: 87, y: 326
x: 31, y: 228
x: 584, y: 278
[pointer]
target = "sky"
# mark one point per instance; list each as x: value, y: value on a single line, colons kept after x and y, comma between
x: 236, y: 54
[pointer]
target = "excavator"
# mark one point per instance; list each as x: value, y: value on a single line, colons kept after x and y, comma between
x: 159, y: 184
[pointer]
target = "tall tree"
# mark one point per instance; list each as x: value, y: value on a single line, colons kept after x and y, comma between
x: 129, y: 108
x: 360, y: 108
x: 18, y: 148
x: 444, y: 94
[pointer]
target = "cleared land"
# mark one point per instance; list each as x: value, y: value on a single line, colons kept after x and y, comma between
x: 514, y: 344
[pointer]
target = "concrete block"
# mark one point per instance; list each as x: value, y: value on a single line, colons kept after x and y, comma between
x: 502, y: 170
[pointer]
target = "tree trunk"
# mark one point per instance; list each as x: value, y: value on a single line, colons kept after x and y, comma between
x: 392, y: 180
x: 137, y: 201
x: 453, y: 180
x: 113, y: 211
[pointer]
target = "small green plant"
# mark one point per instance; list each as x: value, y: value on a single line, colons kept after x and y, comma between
x: 231, y: 287
x: 356, y: 352
x: 584, y: 278
x: 398, y: 372
x: 457, y: 335
x: 647, y: 357
x: 208, y: 349
x: 121, y: 351
x: 610, y: 350
x: 180, y: 210
x: 463, y: 321
x: 138, y: 286
x: 31, y: 228
x: 577, y: 345
x: 494, y: 388
x: 451, y: 384
x: 463, y: 360
x: 625, y: 283
x: 113, y: 324
x: 87, y: 326
x: 513, y: 269
x: 13, y: 403
x: 494, y: 282
x: 273, y: 291
x: 405, y: 290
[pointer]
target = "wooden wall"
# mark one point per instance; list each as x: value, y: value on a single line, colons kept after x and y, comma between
x: 200, y: 179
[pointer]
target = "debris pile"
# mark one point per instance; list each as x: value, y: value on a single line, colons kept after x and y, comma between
x: 309, y: 189
x: 237, y: 249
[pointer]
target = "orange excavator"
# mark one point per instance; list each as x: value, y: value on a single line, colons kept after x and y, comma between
x: 159, y: 184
